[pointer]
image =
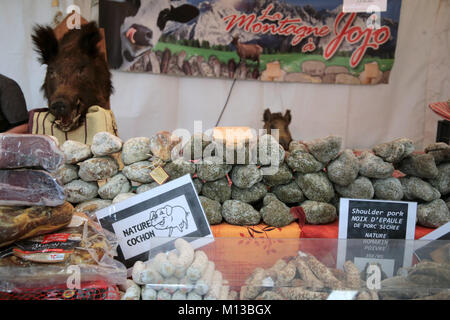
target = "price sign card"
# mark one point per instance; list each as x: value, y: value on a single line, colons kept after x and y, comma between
x: 151, y: 221
x: 386, y: 254
x: 382, y: 225
x: 377, y: 219
x: 435, y: 245
x: 441, y: 233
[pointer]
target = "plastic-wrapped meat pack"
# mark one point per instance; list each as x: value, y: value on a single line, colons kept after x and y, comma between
x: 20, y: 222
x: 81, y: 250
x: 29, y: 151
x: 30, y: 188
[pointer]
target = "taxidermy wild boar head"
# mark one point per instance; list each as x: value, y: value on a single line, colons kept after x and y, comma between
x: 77, y: 73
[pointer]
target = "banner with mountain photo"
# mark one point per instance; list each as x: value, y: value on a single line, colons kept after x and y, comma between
x: 305, y: 41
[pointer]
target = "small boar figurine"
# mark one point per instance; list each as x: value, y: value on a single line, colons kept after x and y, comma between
x: 77, y: 73
x: 280, y: 122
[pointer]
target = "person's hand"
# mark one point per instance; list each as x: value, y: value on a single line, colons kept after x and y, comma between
x: 19, y: 129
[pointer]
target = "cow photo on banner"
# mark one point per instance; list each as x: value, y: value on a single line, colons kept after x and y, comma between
x: 301, y: 41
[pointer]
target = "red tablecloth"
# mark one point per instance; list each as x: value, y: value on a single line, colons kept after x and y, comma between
x: 331, y: 231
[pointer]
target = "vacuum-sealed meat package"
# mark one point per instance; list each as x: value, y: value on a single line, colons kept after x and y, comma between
x: 30, y: 188
x: 94, y: 290
x: 18, y: 223
x: 29, y: 151
x: 77, y: 254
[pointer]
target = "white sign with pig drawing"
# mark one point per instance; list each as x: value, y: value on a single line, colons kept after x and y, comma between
x: 149, y: 223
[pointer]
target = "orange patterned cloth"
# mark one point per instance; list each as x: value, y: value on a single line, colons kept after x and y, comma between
x: 238, y: 250
x: 258, y: 231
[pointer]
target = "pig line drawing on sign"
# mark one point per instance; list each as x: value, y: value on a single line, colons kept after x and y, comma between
x: 169, y: 218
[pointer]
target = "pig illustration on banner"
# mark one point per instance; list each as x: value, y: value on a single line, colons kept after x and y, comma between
x: 170, y: 218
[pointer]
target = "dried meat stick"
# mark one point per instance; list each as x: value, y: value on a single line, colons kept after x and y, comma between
x: 233, y: 295
x: 163, y: 265
x: 186, y: 285
x: 170, y: 285
x: 179, y: 296
x: 180, y: 270
x: 270, y: 295
x: 216, y: 285
x: 299, y: 293
x: 198, y: 267
x: 133, y: 291
x: 146, y: 274
x: 148, y: 293
x: 193, y: 296
x: 352, y: 275
x: 287, y: 273
x: 323, y: 273
x: 277, y: 267
x: 163, y: 295
x: 204, y: 283
x: 367, y: 295
x: 338, y: 273
x: 224, y: 292
x: 254, y: 284
x: 186, y: 251
x: 307, y: 275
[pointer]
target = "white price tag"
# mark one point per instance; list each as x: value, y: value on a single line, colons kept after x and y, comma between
x: 56, y: 257
x: 268, y: 282
x: 302, y: 254
x: 365, y: 6
x: 342, y: 295
x: 154, y: 219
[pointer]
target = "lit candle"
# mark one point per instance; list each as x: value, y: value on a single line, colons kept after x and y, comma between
x: 233, y: 135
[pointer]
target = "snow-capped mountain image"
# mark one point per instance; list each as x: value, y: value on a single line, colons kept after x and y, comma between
x: 210, y: 25
x: 307, y: 41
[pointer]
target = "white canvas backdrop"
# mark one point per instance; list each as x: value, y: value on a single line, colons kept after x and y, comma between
x: 362, y: 115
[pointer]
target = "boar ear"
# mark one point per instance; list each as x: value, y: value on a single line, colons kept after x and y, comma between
x: 45, y: 43
x: 183, y: 14
x: 287, y: 116
x: 89, y: 38
x: 267, y: 115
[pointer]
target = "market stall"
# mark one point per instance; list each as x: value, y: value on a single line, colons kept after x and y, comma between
x: 81, y: 180
x: 341, y: 196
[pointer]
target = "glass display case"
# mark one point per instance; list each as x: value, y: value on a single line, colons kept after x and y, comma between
x: 295, y: 269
